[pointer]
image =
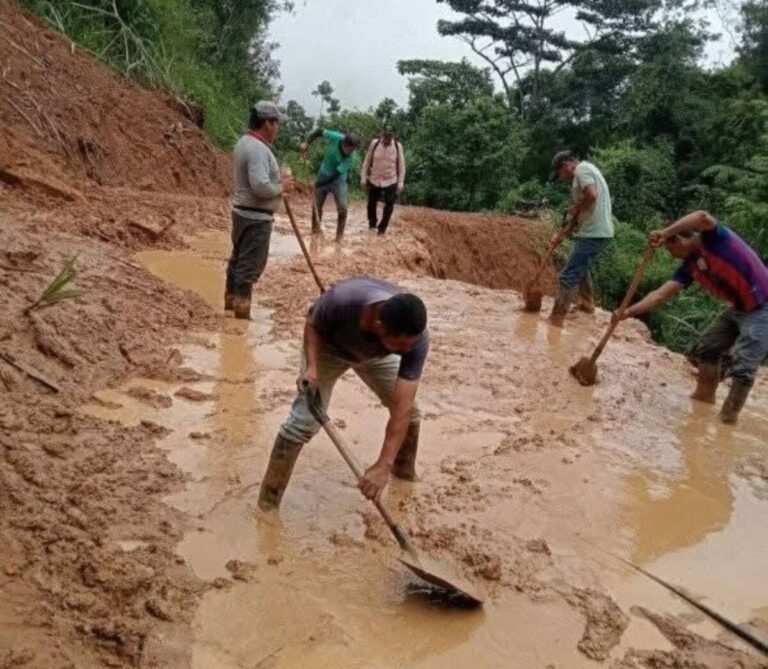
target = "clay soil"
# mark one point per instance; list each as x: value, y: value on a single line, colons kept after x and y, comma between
x: 95, y: 168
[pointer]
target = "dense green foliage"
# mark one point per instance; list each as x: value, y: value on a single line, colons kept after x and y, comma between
x: 629, y: 93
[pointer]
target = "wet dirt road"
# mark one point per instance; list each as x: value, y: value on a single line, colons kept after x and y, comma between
x: 527, y: 479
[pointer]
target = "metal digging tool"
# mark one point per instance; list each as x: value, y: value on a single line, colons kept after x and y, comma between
x: 425, y: 568
x: 532, y: 293
x: 585, y: 370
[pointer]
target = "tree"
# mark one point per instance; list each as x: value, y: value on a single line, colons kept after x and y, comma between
x: 324, y: 91
x: 386, y: 110
x: 754, y: 47
x: 519, y: 42
x: 439, y: 83
x: 465, y: 157
x: 295, y: 130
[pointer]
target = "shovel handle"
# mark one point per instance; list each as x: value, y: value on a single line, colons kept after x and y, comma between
x: 633, y: 286
x: 553, y: 245
x: 354, y: 465
x: 297, y: 232
x: 315, y: 405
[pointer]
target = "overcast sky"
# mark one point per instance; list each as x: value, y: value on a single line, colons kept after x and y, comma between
x: 355, y: 44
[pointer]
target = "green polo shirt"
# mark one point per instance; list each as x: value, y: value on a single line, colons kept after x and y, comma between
x: 334, y: 162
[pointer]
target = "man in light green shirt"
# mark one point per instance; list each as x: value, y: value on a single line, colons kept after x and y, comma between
x: 332, y: 177
x: 592, y: 219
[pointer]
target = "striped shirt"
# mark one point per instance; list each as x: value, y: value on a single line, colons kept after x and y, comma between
x: 728, y: 268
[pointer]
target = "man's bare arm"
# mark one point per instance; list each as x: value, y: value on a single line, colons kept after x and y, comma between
x: 588, y: 198
x: 311, y: 353
x: 698, y: 221
x: 653, y: 299
x: 377, y: 476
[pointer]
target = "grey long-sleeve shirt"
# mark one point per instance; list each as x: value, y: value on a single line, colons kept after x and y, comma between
x: 257, y: 179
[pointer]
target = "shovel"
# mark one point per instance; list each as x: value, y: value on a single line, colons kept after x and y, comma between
x: 585, y: 370
x: 532, y: 293
x: 426, y: 569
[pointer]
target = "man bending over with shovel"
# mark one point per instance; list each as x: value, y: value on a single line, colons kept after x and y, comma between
x: 373, y: 327
x: 723, y: 264
x: 338, y: 159
x: 592, y: 219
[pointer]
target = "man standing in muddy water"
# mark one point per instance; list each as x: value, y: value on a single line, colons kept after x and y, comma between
x: 381, y: 333
x: 724, y: 265
x: 259, y: 188
x: 592, y: 218
x: 332, y: 178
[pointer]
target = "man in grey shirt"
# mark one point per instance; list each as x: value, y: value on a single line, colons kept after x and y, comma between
x: 259, y: 188
x: 373, y: 327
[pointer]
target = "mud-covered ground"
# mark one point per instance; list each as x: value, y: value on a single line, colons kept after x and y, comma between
x: 130, y: 466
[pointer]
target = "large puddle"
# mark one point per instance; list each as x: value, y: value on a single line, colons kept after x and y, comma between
x: 312, y: 588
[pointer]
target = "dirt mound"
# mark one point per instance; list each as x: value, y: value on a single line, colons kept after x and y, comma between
x: 68, y: 122
x: 487, y: 250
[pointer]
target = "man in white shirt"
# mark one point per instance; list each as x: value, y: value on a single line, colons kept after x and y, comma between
x: 383, y: 175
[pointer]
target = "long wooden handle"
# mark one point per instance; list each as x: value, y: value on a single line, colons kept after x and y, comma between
x: 553, y: 245
x: 354, y: 465
x: 633, y: 286
x: 304, y: 250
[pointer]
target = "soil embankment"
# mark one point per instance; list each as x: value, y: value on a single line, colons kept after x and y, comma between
x: 127, y: 499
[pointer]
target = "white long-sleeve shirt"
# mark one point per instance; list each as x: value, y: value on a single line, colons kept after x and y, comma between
x: 382, y: 163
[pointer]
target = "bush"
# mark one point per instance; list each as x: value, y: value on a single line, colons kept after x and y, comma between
x: 641, y: 181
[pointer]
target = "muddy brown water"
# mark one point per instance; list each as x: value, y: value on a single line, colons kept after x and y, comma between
x: 318, y: 588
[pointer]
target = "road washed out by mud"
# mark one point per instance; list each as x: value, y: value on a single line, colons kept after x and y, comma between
x: 530, y: 485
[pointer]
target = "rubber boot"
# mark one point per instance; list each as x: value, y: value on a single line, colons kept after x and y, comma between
x: 340, y: 225
x: 317, y: 216
x: 242, y: 307
x: 561, y: 306
x: 229, y: 301
x: 281, y: 462
x: 586, y: 296
x: 405, y: 462
x: 737, y: 398
x: 708, y: 380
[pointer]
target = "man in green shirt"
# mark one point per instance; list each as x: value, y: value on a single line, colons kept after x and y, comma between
x: 332, y: 178
x: 592, y: 218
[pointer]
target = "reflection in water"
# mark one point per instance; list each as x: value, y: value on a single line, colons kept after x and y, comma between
x: 684, y: 511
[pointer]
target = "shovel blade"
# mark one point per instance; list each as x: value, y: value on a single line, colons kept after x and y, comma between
x: 532, y: 297
x: 441, y: 577
x: 585, y: 372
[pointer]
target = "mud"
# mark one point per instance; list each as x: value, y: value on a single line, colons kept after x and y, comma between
x: 128, y: 509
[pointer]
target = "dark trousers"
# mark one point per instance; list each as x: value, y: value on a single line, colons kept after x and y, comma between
x: 250, y: 249
x: 389, y: 195
x: 740, y: 338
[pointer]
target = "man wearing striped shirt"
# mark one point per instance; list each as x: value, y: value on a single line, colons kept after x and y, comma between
x: 724, y: 265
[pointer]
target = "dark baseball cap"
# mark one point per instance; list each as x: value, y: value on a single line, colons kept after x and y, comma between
x: 268, y: 111
x: 559, y: 159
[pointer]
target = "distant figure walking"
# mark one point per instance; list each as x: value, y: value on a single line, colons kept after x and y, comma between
x: 383, y: 175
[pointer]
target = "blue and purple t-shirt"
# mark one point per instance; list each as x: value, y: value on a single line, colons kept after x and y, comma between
x: 728, y: 268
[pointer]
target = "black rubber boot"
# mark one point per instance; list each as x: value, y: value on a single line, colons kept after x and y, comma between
x: 229, y: 301
x: 281, y: 462
x: 405, y: 462
x: 341, y: 223
x: 708, y: 380
x: 737, y: 398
